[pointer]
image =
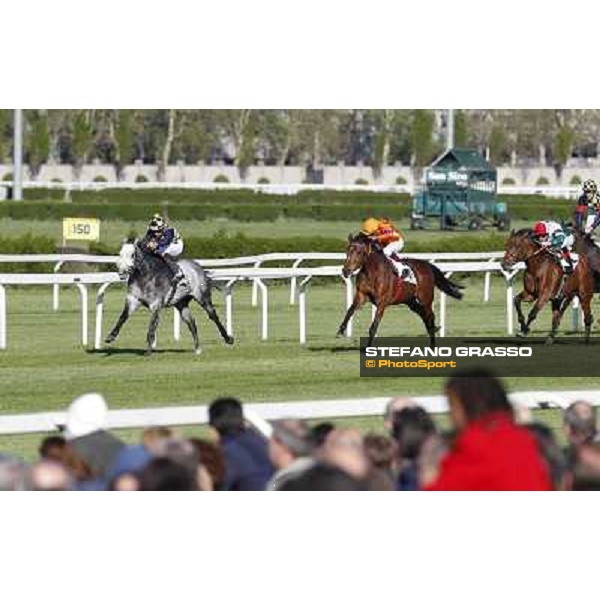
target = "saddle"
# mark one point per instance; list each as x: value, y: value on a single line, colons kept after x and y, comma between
x: 404, y: 272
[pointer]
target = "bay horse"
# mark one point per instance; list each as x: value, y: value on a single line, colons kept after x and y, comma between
x: 543, y: 282
x: 149, y: 284
x: 378, y: 282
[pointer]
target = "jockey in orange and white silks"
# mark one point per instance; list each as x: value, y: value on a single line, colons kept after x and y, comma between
x: 387, y: 236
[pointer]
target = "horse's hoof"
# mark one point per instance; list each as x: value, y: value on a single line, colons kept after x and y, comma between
x: 109, y: 340
x: 340, y: 333
x: 437, y: 329
x: 549, y: 341
x: 522, y: 333
x: 229, y: 340
x: 148, y: 352
x: 198, y: 351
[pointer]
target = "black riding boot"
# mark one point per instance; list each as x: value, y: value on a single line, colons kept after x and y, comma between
x: 175, y: 269
x: 569, y: 268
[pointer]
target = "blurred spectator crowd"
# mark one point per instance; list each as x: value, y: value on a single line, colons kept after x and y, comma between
x: 489, y: 446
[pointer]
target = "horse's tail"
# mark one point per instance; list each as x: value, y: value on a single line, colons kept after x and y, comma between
x: 444, y: 284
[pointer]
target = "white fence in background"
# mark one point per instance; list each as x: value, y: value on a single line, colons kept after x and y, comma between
x: 290, y: 189
x: 261, y: 413
x: 234, y: 270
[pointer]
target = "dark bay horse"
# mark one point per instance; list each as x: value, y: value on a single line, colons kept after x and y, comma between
x: 378, y: 282
x: 543, y: 282
x: 149, y: 284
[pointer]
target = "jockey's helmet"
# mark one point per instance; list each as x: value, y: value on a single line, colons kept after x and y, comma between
x: 590, y: 186
x: 370, y: 226
x: 540, y: 229
x: 157, y: 223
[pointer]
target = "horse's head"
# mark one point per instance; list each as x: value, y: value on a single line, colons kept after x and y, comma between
x: 127, y: 258
x: 518, y: 247
x: 357, y: 251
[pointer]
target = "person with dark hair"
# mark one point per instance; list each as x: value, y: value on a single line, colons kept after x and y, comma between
x: 211, y: 457
x: 247, y: 464
x: 382, y: 453
x: 290, y: 447
x: 167, y: 475
x: 491, y: 452
x: 52, y: 448
x: 394, y: 406
x: 319, y: 432
x: 580, y: 426
x: 411, y: 426
x: 323, y: 478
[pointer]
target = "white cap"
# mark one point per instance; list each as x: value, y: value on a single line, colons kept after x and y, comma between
x: 85, y: 415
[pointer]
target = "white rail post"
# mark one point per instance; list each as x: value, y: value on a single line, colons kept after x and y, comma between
x: 509, y: 305
x: 487, y: 280
x: 176, y: 325
x: 264, y: 298
x: 229, y: 306
x: 84, y: 312
x: 575, y: 313
x: 349, y: 300
x: 293, y: 281
x: 302, y: 308
x: 55, y: 287
x: 2, y: 318
x: 99, y: 316
x: 255, y: 285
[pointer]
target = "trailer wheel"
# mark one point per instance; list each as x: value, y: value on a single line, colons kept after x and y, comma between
x: 476, y: 224
x: 503, y: 223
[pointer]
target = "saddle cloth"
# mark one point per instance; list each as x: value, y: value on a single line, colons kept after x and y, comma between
x: 574, y: 257
x: 405, y: 273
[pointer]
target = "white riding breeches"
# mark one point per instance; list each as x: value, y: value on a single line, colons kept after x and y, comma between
x: 590, y: 220
x: 569, y: 241
x: 393, y: 247
x: 174, y: 249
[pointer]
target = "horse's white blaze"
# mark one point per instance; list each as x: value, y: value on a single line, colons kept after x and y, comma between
x: 126, y: 259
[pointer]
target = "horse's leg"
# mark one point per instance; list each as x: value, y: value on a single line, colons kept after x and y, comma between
x: 558, y: 309
x: 375, y: 324
x: 205, y: 302
x: 524, y: 296
x: 425, y: 311
x: 537, y: 307
x: 188, y: 319
x: 131, y: 305
x: 359, y: 299
x: 151, y: 337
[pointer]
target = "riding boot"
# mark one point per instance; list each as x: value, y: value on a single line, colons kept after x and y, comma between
x: 569, y: 268
x: 176, y: 271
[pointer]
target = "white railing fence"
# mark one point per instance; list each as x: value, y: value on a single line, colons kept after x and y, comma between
x: 260, y: 414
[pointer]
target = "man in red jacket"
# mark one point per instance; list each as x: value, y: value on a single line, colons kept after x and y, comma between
x: 491, y: 452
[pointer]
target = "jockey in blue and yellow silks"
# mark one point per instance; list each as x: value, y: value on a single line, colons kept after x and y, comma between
x: 165, y: 241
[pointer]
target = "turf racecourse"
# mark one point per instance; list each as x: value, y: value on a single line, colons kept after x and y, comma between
x: 45, y: 367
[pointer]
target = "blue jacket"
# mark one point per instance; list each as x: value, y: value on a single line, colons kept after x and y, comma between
x: 168, y: 237
x: 247, y: 464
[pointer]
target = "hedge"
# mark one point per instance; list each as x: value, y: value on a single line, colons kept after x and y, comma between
x: 241, y: 205
x: 218, y: 197
x: 42, y: 211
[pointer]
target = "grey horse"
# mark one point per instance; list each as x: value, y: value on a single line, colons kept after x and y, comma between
x: 149, y: 284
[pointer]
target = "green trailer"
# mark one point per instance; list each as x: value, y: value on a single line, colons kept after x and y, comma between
x: 459, y: 193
